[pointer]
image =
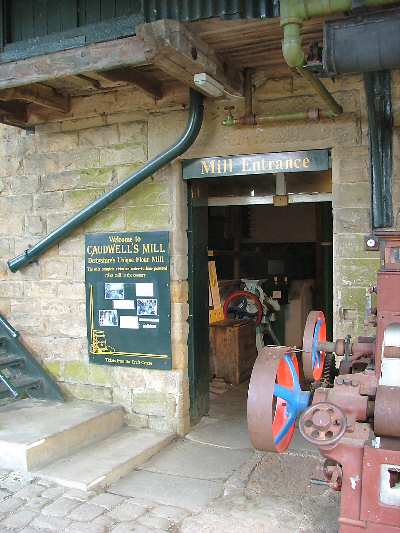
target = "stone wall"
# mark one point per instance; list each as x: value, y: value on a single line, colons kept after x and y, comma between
x: 48, y: 176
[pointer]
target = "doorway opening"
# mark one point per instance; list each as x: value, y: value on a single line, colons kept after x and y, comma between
x: 269, y: 235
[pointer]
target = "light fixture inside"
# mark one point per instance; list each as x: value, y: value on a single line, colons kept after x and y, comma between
x: 208, y: 85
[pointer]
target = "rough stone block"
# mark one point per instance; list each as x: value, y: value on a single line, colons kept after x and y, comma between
x: 89, y: 392
x: 123, y: 396
x: 144, y: 218
x: 56, y: 268
x: 55, y: 368
x: 57, y: 142
x: 100, y: 375
x: 170, y: 382
x: 152, y: 521
x: 11, y: 226
x: 351, y: 246
x: 154, y: 403
x: 50, y: 523
x: 19, y: 519
x: 128, y: 510
x: 100, y: 136
x: 79, y: 160
x: 108, y: 220
x: 123, y: 153
x: 179, y: 291
x: 173, y: 514
x: 86, y: 512
x: 351, y: 220
x: 79, y: 198
x: 360, y: 273
x: 352, y: 195
x: 35, y: 225
x: 149, y: 192
x: 6, y: 246
x: 107, y: 500
x: 76, y: 372
x: 179, y: 267
x: 24, y: 184
x: 180, y: 354
x: 71, y: 291
x: 19, y: 203
x: 132, y: 378
x: 137, y: 421
x: 133, y: 132
x: 11, y: 289
x: 163, y: 424
x: 11, y: 504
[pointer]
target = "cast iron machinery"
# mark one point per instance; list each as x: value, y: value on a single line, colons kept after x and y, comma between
x: 354, y: 421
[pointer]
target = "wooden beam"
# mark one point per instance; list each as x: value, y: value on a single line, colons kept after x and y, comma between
x: 135, y: 77
x: 172, y: 48
x: 38, y: 94
x: 13, y: 114
x: 98, y: 56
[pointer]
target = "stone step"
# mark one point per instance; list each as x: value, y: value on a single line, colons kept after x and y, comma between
x: 98, y: 466
x: 34, y: 433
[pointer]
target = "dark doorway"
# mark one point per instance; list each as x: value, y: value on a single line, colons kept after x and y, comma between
x: 234, y: 223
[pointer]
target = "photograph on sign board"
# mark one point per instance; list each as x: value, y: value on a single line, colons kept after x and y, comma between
x: 147, y: 306
x: 144, y: 289
x: 108, y: 317
x: 124, y: 304
x: 114, y: 291
x: 128, y: 322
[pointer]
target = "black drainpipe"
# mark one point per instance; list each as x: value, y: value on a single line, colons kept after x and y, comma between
x: 380, y: 125
x: 182, y: 144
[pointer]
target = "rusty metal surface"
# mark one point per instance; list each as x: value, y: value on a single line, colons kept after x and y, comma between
x: 323, y: 424
x: 261, y: 403
x: 372, y: 510
x: 311, y: 373
x: 387, y: 411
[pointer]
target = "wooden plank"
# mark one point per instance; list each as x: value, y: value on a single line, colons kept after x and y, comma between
x: 139, y: 79
x: 98, y: 56
x: 38, y: 94
x: 179, y: 53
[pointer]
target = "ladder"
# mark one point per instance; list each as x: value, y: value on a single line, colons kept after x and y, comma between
x: 21, y: 375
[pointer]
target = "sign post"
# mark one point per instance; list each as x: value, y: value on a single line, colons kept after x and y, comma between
x: 128, y: 306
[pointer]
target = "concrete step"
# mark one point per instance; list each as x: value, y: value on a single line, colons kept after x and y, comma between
x: 100, y: 465
x: 34, y: 433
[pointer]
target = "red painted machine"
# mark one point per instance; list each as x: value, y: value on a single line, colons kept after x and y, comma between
x: 356, y: 422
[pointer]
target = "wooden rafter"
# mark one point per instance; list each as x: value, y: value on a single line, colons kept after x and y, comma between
x: 38, y: 94
x: 139, y: 79
x: 172, y: 48
x: 13, y: 114
x: 98, y: 56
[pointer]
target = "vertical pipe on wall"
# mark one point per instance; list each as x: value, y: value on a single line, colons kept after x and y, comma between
x: 380, y: 125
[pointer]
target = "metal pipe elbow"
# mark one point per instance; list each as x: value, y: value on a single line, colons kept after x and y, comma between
x: 291, y: 45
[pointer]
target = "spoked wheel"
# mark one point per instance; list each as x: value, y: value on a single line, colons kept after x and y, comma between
x: 314, y: 333
x: 275, y: 399
x: 243, y: 304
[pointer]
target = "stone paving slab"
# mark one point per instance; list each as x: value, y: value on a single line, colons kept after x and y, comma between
x: 188, y: 493
x: 225, y: 433
x: 189, y: 459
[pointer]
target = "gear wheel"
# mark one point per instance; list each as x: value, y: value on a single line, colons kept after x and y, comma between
x: 330, y: 370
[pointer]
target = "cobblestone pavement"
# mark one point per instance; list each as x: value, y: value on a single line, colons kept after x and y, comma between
x: 30, y: 505
x: 269, y: 494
